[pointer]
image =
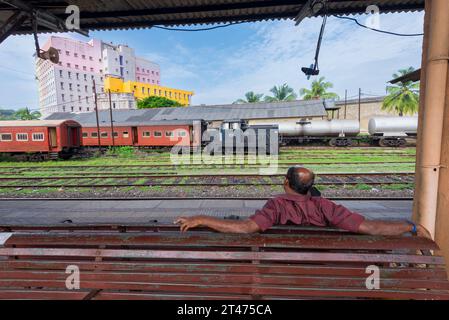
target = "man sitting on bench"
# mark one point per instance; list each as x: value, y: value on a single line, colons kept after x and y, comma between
x: 301, y: 207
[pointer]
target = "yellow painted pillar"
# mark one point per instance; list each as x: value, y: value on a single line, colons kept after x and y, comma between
x: 442, y: 219
x: 431, y: 116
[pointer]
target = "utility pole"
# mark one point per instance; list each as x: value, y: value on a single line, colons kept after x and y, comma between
x: 96, y: 113
x: 110, y: 115
x: 360, y: 101
x: 346, y: 101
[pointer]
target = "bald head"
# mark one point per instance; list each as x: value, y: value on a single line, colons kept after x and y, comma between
x: 300, y: 179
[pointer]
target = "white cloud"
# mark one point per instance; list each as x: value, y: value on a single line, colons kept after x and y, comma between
x: 351, y: 57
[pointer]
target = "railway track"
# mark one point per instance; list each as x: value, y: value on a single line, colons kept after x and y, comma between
x: 195, y: 165
x: 222, y: 180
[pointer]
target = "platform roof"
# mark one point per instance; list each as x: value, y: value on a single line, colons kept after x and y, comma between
x: 130, y: 14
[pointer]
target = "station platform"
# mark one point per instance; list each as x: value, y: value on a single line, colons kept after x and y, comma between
x: 145, y: 211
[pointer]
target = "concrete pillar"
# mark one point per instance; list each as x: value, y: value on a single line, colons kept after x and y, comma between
x: 432, y: 113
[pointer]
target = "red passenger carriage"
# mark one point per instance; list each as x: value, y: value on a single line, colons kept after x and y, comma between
x: 36, y: 139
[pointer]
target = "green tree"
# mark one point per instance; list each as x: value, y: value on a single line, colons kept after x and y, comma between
x: 250, y: 97
x: 156, y: 102
x: 281, y: 93
x: 7, y: 114
x: 26, y: 114
x: 318, y: 90
x: 402, y: 98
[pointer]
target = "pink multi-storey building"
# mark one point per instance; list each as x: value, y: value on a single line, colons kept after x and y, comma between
x: 68, y: 85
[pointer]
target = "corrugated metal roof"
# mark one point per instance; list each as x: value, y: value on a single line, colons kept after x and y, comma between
x: 34, y: 123
x: 291, y: 109
x: 117, y: 14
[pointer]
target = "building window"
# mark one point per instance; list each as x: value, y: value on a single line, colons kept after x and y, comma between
x: 60, y: 74
x: 75, y: 55
x: 94, y: 134
x: 85, y: 88
x: 125, y: 134
x: 146, y: 134
x: 77, y: 66
x: 22, y: 136
x: 63, y: 97
x: 83, y: 56
x: 68, y: 65
x: 104, y: 134
x: 38, y: 137
x: 70, y: 75
x: 85, y: 77
x: 62, y: 85
x: 85, y: 134
x: 70, y: 87
x: 88, y: 109
x: 169, y: 133
x: 157, y: 134
x: 67, y: 53
x: 6, y: 137
x: 77, y: 76
x: 92, y: 59
x: 92, y: 69
x: 84, y: 68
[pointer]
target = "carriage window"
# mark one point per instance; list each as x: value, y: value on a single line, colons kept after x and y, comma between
x: 22, y: 137
x: 94, y: 134
x: 115, y: 134
x: 157, y: 134
x: 104, y: 134
x: 6, y: 137
x: 125, y: 134
x: 85, y: 134
x: 38, y: 137
x: 181, y: 133
x: 169, y: 133
x: 146, y: 134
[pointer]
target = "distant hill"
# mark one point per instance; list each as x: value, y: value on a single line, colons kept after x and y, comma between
x: 7, y: 114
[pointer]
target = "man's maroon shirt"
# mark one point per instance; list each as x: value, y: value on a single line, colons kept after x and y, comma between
x: 306, y: 210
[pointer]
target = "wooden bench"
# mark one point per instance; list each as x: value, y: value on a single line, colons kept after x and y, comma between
x: 158, y: 262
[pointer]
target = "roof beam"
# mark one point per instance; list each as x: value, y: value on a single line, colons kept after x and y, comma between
x: 190, y: 9
x: 13, y: 23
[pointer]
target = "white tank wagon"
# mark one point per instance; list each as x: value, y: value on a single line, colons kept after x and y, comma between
x: 335, y: 132
x: 320, y: 128
x: 393, y: 126
x: 392, y: 131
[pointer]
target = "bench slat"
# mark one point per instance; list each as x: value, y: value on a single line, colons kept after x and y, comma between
x: 223, y: 240
x: 224, y: 255
x: 236, y: 279
x: 243, y: 289
x: 436, y: 273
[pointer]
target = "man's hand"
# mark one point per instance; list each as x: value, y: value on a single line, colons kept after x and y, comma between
x: 187, y: 223
x: 423, y: 232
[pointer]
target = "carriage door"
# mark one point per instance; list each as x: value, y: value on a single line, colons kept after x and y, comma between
x: 74, y: 134
x: 53, y: 140
x: 135, y: 136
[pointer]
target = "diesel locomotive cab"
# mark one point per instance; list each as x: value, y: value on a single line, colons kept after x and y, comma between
x: 238, y: 137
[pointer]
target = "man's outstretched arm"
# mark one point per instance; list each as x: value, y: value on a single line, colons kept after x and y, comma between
x: 391, y: 228
x: 220, y: 225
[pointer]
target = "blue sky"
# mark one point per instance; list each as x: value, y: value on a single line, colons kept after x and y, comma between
x: 221, y: 65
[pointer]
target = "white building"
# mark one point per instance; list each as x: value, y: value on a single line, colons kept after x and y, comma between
x: 68, y: 85
x: 119, y: 101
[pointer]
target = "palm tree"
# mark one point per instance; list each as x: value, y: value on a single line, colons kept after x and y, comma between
x: 318, y: 90
x: 281, y: 93
x: 250, y: 97
x: 26, y: 114
x: 402, y: 98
